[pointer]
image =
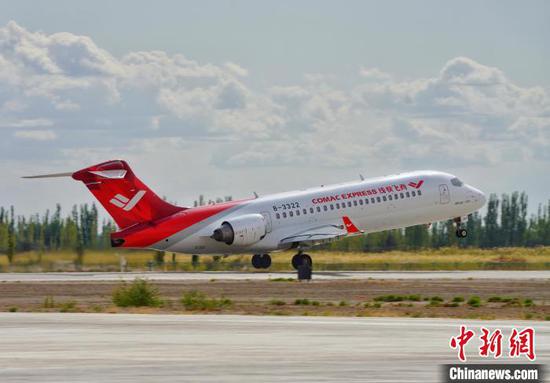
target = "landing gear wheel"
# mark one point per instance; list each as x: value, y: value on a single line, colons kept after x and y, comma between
x: 461, y: 233
x: 261, y: 261
x: 299, y: 259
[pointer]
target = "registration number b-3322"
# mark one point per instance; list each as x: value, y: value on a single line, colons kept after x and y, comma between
x: 286, y: 206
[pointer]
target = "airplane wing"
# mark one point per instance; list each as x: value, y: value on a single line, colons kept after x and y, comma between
x: 324, y: 233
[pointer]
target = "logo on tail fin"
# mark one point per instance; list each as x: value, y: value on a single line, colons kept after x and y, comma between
x: 127, y: 204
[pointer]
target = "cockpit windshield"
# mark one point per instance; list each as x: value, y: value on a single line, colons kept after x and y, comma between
x: 456, y: 182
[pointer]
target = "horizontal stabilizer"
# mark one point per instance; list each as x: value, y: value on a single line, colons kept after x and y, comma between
x: 70, y: 174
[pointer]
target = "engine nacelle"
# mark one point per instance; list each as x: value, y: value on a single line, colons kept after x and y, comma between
x: 241, y: 231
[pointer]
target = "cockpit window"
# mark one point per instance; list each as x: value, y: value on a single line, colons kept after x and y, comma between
x: 456, y: 182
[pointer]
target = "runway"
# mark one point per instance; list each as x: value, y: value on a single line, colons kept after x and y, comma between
x: 232, y: 275
x: 41, y: 347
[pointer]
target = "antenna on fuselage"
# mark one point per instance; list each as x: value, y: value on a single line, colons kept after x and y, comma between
x: 361, y: 176
x: 255, y: 195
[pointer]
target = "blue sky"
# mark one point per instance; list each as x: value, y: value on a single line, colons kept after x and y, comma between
x: 240, y: 96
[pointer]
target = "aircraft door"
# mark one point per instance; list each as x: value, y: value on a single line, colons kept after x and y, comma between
x: 267, y: 217
x: 444, y: 195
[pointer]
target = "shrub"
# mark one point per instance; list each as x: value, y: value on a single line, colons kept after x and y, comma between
x: 436, y: 299
x: 67, y: 307
x: 458, y: 299
x: 452, y: 304
x: 528, y: 302
x: 377, y: 305
x: 474, y: 301
x: 388, y: 298
x: 342, y: 303
x: 303, y: 302
x: 315, y: 303
x: 48, y: 302
x: 196, y: 300
x: 137, y: 294
x: 277, y: 302
x: 494, y: 299
x: 414, y: 298
x: 12, y: 309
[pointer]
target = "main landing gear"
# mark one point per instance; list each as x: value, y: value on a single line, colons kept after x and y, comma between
x: 261, y: 261
x: 461, y: 231
x: 301, y: 259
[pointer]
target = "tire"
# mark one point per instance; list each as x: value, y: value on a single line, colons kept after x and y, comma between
x: 257, y: 261
x: 299, y: 259
x: 265, y: 261
x: 463, y: 233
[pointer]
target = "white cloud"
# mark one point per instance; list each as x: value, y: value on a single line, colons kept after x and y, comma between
x: 467, y: 113
x: 37, y: 135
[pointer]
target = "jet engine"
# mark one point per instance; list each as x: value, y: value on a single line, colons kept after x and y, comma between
x: 241, y: 231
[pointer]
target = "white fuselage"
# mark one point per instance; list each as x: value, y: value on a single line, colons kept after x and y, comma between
x: 373, y: 205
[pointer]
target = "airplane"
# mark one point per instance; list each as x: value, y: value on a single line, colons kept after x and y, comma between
x: 292, y: 220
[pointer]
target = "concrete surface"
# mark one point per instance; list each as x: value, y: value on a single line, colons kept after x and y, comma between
x: 41, y: 347
x: 232, y: 275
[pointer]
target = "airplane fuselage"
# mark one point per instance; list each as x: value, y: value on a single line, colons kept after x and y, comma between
x: 372, y: 205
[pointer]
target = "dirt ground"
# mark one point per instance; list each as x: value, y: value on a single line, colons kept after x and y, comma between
x: 528, y: 299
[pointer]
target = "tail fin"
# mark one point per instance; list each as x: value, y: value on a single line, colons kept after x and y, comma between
x: 123, y: 195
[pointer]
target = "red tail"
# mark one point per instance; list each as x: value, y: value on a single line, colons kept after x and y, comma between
x: 123, y: 195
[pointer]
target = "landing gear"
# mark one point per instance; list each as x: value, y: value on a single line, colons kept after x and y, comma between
x: 261, y: 261
x: 300, y: 259
x: 461, y: 233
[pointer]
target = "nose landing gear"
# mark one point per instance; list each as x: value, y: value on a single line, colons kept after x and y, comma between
x: 461, y: 232
x: 261, y: 261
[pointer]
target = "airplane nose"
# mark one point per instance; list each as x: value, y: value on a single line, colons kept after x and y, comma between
x: 479, y: 196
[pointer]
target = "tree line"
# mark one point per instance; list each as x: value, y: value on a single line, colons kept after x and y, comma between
x: 504, y: 223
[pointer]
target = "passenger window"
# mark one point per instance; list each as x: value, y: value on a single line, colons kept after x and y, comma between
x: 395, y: 196
x: 360, y: 202
x: 319, y: 209
x: 325, y: 208
x: 338, y: 206
x: 305, y: 211
x: 297, y: 212
x: 384, y: 198
x: 408, y: 195
x: 278, y: 216
x: 290, y: 213
x: 311, y: 210
x: 366, y: 201
x: 372, y: 200
x: 349, y: 203
x: 419, y: 192
x: 402, y: 195
x: 355, y: 203
x: 390, y: 197
x: 378, y: 199
x: 331, y: 207
x: 413, y: 193
x: 284, y: 215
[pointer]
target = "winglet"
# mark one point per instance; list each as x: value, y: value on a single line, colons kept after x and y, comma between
x: 350, y: 227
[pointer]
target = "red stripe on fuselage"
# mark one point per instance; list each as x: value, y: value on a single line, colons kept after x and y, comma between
x: 149, y: 233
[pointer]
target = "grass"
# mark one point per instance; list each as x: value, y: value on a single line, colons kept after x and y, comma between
x: 397, y: 298
x: 458, y: 299
x: 276, y: 302
x: 139, y: 293
x: 474, y: 301
x: 451, y: 258
x: 196, y: 300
